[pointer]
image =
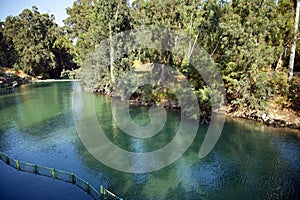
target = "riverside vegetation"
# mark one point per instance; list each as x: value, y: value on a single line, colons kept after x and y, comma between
x: 253, y: 43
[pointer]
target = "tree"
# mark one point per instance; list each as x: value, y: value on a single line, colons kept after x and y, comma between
x: 8, y: 54
x: 35, y: 38
x: 110, y: 17
x: 78, y: 25
x: 251, y: 45
x: 285, y: 10
x: 93, y: 21
x: 293, y: 49
x: 166, y: 14
x: 64, y: 52
x: 248, y: 40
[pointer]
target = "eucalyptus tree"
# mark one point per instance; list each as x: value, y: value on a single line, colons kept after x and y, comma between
x: 77, y: 25
x: 30, y: 37
x: 285, y: 14
x: 250, y: 47
x: 93, y: 21
x: 8, y: 54
x: 249, y: 40
x: 35, y: 40
x: 294, y: 45
x: 162, y: 14
x: 109, y: 18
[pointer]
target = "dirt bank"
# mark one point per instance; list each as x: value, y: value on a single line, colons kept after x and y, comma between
x: 10, y: 76
x: 274, y: 116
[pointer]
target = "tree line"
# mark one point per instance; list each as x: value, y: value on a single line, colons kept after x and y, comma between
x: 253, y: 43
x: 33, y: 42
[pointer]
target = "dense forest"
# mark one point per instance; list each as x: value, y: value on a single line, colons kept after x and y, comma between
x: 253, y: 43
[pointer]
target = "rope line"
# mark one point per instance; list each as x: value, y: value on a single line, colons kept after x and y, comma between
x: 102, y: 194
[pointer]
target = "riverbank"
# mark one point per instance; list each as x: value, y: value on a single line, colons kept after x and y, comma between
x: 12, y: 77
x: 54, y: 80
x: 283, y: 118
x: 274, y: 116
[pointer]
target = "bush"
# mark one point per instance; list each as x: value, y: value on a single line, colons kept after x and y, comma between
x: 294, y: 93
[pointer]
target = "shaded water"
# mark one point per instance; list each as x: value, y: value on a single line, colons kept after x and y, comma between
x: 250, y: 161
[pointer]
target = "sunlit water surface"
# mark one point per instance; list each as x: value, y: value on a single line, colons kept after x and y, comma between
x: 250, y: 160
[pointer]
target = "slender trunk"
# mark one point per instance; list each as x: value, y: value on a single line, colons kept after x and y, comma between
x: 280, y: 61
x: 111, y: 45
x: 139, y: 54
x: 111, y: 54
x: 294, y: 45
x: 193, y: 46
x: 218, y: 42
x: 162, y: 72
x: 162, y: 75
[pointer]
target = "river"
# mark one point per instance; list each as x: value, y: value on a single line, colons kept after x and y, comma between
x: 249, y: 161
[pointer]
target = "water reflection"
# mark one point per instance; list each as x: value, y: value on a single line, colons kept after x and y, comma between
x: 250, y: 161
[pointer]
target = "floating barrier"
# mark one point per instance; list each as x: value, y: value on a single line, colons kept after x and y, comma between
x: 102, y: 194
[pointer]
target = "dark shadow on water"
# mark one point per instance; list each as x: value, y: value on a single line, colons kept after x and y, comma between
x: 40, y: 85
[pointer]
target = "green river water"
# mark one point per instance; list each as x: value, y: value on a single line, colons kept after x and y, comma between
x: 249, y: 161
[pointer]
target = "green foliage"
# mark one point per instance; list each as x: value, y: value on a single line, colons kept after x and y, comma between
x: 16, y: 66
x: 248, y: 40
x: 78, y: 25
x: 8, y: 54
x: 33, y: 42
x: 68, y: 74
x: 294, y: 93
x: 253, y: 37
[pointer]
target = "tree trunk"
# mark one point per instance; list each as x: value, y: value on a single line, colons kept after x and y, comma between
x: 111, y: 55
x: 193, y: 46
x: 280, y: 61
x: 111, y: 45
x: 294, y: 45
x: 162, y: 72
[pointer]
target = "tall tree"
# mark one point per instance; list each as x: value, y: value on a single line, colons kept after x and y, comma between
x: 248, y: 40
x: 8, y: 54
x: 110, y: 17
x: 77, y: 26
x: 294, y: 45
x: 33, y: 36
x: 93, y: 21
x: 30, y: 36
x: 166, y: 14
x: 251, y: 32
